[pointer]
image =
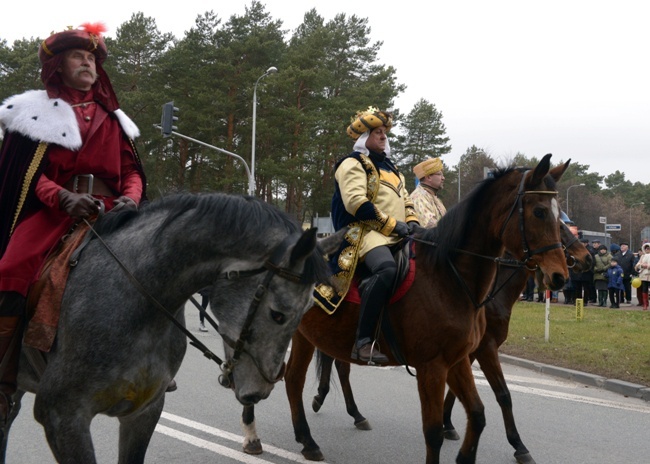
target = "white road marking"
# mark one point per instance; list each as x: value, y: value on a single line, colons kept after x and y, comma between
x: 219, y: 449
x: 232, y: 437
x: 571, y: 397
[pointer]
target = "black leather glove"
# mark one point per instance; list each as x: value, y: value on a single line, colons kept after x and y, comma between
x: 401, y: 229
x: 77, y: 205
x: 414, y: 227
x: 124, y: 203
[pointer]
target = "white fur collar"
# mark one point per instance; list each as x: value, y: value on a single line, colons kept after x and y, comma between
x: 35, y: 115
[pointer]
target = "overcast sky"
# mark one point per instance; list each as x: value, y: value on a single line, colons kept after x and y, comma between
x: 568, y: 77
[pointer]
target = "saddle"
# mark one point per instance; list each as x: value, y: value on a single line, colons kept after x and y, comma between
x: 45, y: 295
x: 405, y: 279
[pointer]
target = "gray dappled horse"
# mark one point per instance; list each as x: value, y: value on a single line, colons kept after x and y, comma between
x: 116, y: 352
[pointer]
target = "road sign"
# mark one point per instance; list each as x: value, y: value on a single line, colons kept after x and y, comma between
x: 602, y: 220
x: 612, y: 227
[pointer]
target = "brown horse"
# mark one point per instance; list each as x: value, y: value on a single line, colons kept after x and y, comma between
x: 442, y: 318
x: 497, y: 313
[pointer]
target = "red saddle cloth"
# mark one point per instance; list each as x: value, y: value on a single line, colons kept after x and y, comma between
x: 353, y: 295
x: 46, y: 295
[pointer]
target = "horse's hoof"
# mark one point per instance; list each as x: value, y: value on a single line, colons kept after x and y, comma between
x: 524, y: 458
x: 451, y: 434
x: 313, y: 454
x: 363, y: 425
x: 253, y: 447
x: 316, y: 404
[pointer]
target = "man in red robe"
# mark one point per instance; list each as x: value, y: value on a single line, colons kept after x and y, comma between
x: 65, y: 149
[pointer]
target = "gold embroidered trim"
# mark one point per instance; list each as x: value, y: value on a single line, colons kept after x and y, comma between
x: 29, y: 176
x: 46, y: 50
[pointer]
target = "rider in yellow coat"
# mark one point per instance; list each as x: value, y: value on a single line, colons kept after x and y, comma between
x: 371, y: 199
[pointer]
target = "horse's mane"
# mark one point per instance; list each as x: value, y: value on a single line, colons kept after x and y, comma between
x: 242, y: 217
x: 451, y: 231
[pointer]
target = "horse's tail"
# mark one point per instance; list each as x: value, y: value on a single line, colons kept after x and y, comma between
x: 319, y: 363
x: 321, y: 360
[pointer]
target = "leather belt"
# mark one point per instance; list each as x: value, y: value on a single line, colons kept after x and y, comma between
x: 87, y: 183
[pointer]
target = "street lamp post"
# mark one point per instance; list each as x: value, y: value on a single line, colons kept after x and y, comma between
x: 567, y: 197
x: 632, y: 206
x: 271, y: 70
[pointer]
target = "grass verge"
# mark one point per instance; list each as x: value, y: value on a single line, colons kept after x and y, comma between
x: 613, y: 343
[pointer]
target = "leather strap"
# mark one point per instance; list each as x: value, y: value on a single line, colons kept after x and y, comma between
x: 87, y: 183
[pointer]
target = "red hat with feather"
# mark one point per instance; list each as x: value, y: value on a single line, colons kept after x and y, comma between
x: 87, y: 37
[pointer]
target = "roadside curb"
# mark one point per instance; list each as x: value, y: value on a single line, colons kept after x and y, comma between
x: 617, y: 386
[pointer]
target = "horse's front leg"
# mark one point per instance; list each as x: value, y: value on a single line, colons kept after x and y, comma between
x: 431, y: 379
x: 297, y: 366
x: 450, y: 400
x: 136, y: 431
x: 461, y: 381
x: 252, y: 443
x: 489, y: 361
x: 450, y: 430
x: 67, y: 427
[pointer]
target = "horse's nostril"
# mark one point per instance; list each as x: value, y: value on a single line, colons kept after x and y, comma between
x: 557, y: 282
x: 247, y: 400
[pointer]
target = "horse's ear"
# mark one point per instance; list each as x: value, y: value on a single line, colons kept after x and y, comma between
x: 329, y: 245
x: 304, y: 246
x: 557, y: 171
x: 541, y: 170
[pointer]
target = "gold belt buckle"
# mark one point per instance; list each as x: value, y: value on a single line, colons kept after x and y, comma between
x: 75, y: 184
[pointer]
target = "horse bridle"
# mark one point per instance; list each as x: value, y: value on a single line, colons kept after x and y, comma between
x: 272, y: 268
x: 566, y: 246
x: 518, y: 204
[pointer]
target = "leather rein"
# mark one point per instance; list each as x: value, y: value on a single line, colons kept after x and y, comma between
x: 271, y: 268
x: 500, y: 261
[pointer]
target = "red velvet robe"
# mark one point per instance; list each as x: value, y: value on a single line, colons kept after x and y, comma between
x: 106, y: 153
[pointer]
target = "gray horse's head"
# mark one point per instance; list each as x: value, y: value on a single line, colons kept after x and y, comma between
x: 277, y: 300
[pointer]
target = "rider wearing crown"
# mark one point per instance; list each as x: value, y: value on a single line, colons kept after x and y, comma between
x: 371, y: 199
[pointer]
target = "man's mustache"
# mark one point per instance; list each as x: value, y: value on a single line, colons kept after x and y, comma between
x: 88, y: 69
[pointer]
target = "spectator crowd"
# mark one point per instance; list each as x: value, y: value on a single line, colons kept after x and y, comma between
x: 617, y: 276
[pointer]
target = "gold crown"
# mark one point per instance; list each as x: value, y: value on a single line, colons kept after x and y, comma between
x: 368, y: 119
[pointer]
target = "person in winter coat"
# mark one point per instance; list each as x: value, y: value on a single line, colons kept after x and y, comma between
x: 625, y: 259
x: 602, y: 261
x: 643, y: 268
x: 614, y: 282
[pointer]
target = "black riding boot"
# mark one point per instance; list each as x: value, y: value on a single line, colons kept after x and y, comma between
x: 11, y: 309
x: 375, y: 292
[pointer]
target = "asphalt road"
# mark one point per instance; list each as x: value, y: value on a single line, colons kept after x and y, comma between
x: 560, y: 420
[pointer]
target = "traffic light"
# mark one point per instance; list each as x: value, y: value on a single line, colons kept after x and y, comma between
x: 168, y: 119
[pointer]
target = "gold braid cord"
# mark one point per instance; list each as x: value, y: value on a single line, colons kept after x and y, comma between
x: 27, y: 181
x: 330, y: 297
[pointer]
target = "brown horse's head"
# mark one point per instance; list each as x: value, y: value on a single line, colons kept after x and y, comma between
x: 538, y: 223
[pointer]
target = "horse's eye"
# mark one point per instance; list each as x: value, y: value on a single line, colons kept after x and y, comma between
x: 539, y: 213
x: 277, y: 317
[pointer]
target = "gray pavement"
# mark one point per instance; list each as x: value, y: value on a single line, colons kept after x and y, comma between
x: 614, y: 385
